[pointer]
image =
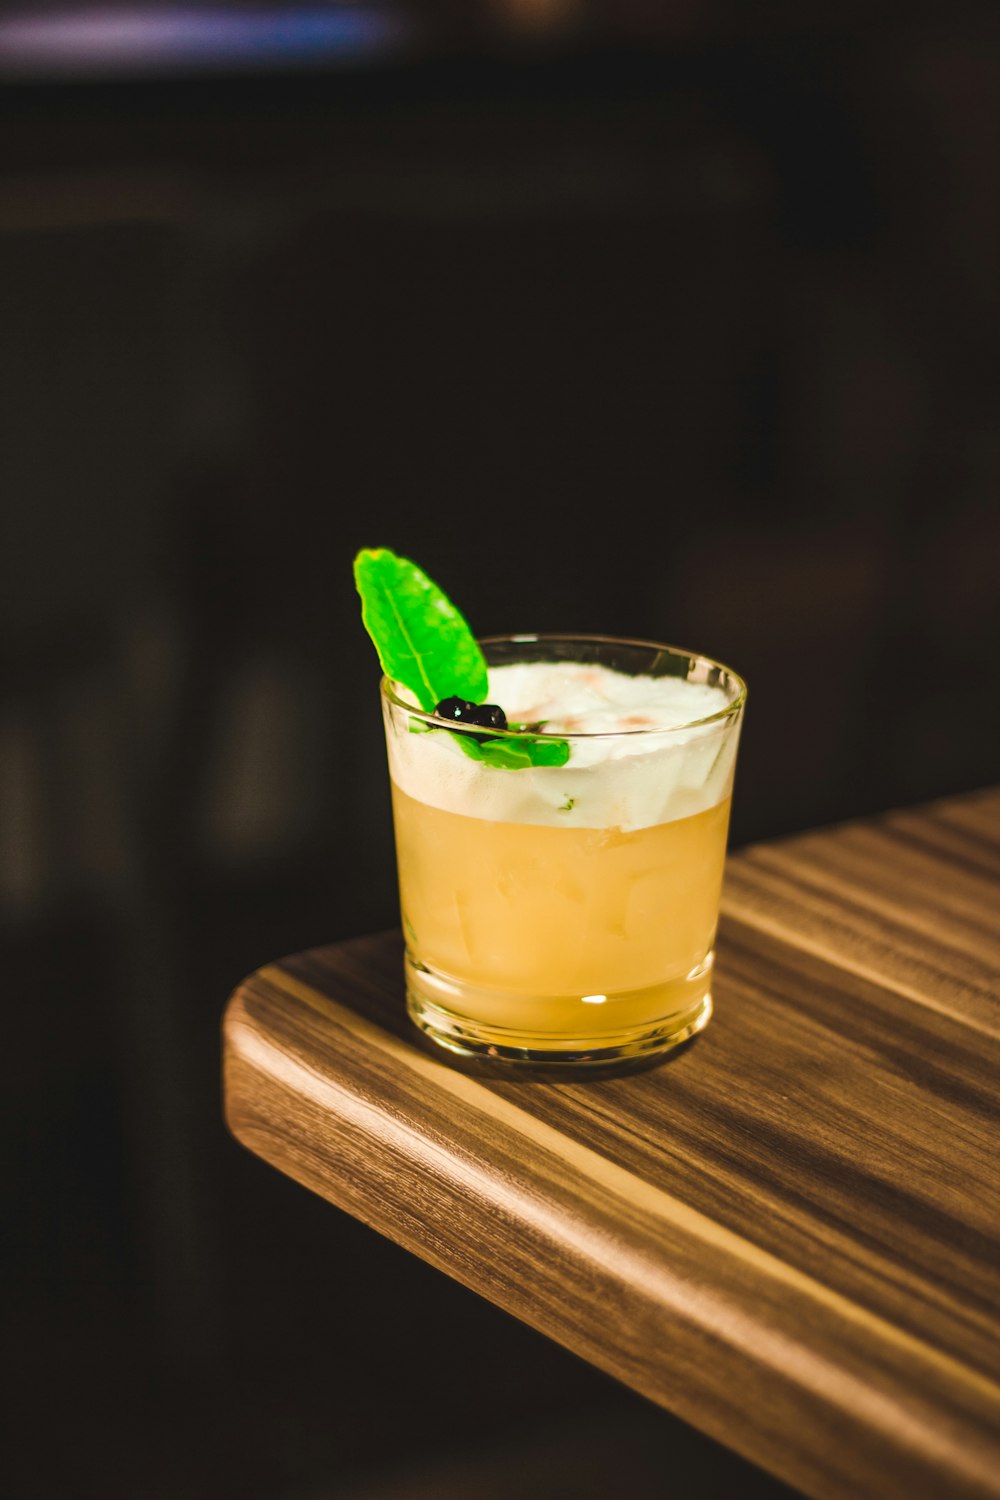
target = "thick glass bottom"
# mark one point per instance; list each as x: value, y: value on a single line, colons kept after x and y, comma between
x: 560, y: 1032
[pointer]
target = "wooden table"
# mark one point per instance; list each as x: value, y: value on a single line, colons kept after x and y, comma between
x: 787, y: 1233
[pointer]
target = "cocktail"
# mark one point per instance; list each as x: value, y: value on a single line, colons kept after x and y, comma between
x: 560, y: 838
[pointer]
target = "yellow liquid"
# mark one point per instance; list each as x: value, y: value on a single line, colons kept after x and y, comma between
x: 589, y: 934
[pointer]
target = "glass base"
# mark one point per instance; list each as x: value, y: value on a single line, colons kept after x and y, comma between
x: 579, y: 1048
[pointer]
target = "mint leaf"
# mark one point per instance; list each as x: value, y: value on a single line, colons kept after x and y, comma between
x: 422, y: 640
x: 514, y: 753
x: 424, y: 643
x: 548, y: 752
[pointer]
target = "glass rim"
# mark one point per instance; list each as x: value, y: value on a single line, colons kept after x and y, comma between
x: 730, y: 711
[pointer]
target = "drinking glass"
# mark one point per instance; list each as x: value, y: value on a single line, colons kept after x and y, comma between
x: 564, y: 914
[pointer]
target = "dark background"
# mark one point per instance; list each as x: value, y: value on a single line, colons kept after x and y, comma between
x: 675, y: 322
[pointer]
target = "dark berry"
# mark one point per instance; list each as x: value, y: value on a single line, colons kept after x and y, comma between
x: 490, y: 715
x: 455, y: 708
x: 461, y: 711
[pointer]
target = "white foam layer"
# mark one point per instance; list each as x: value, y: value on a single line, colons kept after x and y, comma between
x: 573, y: 698
x: 638, y: 754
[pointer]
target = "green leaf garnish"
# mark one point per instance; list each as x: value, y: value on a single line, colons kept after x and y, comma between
x: 514, y: 752
x: 422, y: 640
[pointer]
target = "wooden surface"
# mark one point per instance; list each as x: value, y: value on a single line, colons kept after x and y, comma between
x: 787, y: 1233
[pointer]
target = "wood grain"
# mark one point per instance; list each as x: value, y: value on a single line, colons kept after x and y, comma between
x: 787, y: 1234
x: 911, y: 900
